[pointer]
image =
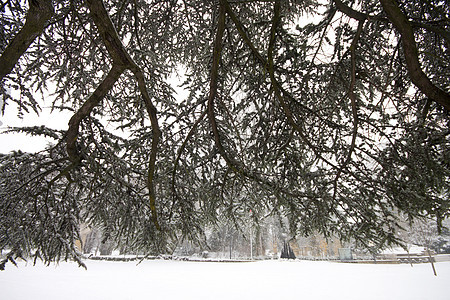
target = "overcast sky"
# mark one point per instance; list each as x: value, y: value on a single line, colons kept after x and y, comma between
x: 10, y: 142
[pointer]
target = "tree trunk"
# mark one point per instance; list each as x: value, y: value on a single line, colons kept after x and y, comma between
x: 418, y: 77
x: 39, y: 12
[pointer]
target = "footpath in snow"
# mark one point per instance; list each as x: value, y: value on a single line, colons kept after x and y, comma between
x: 161, y: 279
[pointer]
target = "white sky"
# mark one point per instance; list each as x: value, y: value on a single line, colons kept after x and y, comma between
x: 16, y: 141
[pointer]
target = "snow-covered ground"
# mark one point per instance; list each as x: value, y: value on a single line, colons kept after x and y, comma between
x: 159, y: 279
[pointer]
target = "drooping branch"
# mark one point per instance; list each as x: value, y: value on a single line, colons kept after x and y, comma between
x: 351, y: 90
x: 156, y: 136
x: 85, y: 110
x: 213, y: 84
x: 121, y: 61
x: 352, y: 96
x: 264, y: 63
x: 275, y: 23
x: 271, y: 70
x: 214, y: 77
x: 357, y: 15
x: 280, y: 92
x: 39, y: 13
x: 418, y: 77
x: 183, y: 146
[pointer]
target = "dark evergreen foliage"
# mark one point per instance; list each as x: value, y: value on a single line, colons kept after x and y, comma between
x: 287, y: 252
x: 301, y: 109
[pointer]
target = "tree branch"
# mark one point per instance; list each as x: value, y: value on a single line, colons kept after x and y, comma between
x: 232, y: 164
x: 39, y: 12
x: 418, y: 77
x: 278, y: 89
x: 437, y: 30
x: 354, y: 14
x: 183, y: 146
x: 85, y: 110
x: 156, y: 136
x: 352, y: 96
x: 108, y: 33
x: 122, y: 60
x: 213, y: 85
x: 263, y: 61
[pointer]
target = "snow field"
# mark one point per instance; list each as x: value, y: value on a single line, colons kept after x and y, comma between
x: 159, y: 279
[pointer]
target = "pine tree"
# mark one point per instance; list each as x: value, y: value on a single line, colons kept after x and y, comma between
x: 333, y: 115
x: 287, y: 252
